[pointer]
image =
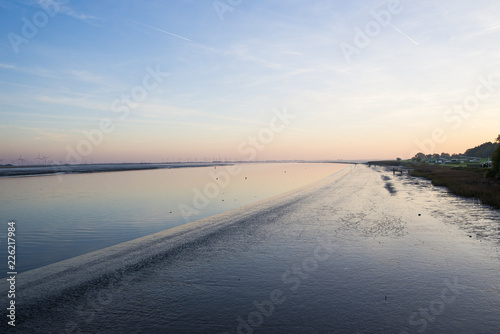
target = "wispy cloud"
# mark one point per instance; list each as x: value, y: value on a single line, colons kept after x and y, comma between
x: 8, y: 66
x: 74, y: 102
x: 161, y: 30
x: 87, y: 76
x: 37, y: 71
x: 66, y: 10
x: 55, y: 134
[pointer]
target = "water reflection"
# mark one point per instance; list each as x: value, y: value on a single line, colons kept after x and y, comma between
x: 86, y: 212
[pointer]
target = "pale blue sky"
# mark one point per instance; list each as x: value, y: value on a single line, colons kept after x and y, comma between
x: 226, y: 78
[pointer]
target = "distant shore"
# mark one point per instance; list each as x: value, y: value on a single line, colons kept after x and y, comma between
x: 40, y: 170
x: 17, y: 171
x: 462, y: 181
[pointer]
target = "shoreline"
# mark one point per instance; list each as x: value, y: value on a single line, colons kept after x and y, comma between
x: 466, y: 182
x: 44, y: 170
x: 25, y: 171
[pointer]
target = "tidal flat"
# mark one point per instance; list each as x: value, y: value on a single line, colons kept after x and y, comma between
x: 343, y: 255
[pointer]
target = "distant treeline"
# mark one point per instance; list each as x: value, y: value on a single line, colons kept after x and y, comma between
x: 482, y: 151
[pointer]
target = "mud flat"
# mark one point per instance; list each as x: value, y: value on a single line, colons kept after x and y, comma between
x: 18, y: 171
x: 362, y: 251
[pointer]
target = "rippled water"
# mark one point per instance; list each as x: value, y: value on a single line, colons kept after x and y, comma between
x: 59, y: 217
x: 348, y: 255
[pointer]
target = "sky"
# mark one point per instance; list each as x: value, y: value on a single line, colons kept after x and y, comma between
x: 151, y: 81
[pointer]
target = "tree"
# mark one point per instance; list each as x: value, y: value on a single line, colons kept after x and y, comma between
x: 482, y: 151
x: 495, y: 158
x: 445, y: 155
x: 419, y: 157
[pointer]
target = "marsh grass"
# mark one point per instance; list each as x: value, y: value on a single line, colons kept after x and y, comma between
x: 462, y: 181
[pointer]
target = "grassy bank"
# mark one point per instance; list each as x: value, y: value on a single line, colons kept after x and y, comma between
x: 461, y: 181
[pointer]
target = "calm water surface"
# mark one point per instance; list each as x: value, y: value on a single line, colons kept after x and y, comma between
x: 59, y: 218
x: 349, y: 256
